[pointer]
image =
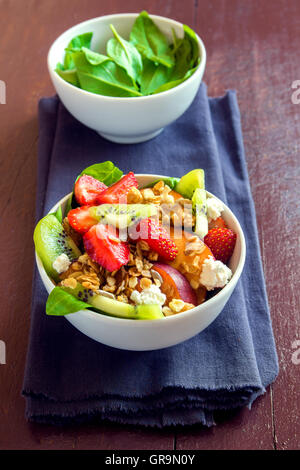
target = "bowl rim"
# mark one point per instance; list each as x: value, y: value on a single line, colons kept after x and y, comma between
x: 217, y: 298
x: 200, y: 69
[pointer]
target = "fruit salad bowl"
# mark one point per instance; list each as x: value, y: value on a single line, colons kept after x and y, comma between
x: 159, y: 333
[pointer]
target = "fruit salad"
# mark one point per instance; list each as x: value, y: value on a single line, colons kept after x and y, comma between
x: 134, y: 252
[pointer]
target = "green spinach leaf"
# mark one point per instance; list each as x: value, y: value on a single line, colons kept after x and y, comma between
x: 125, y: 55
x: 60, y: 302
x: 69, y: 76
x: 94, y: 58
x: 71, y: 204
x: 187, y: 60
x: 191, y: 36
x: 107, y: 78
x: 150, y: 41
x: 82, y: 40
x: 58, y: 214
x: 171, y: 182
x: 106, y: 172
x: 153, y: 76
x: 174, y: 83
x: 176, y: 41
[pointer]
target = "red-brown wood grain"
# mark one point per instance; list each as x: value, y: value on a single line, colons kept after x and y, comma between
x: 252, y: 46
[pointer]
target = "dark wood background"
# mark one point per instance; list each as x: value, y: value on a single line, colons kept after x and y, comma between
x: 253, y: 47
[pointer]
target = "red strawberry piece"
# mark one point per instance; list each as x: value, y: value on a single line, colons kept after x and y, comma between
x: 118, y: 191
x: 221, y: 241
x: 81, y: 219
x: 103, y: 246
x: 157, y: 238
x: 87, y: 189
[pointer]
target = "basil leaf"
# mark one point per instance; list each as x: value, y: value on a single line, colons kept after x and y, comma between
x: 106, y: 172
x: 125, y: 55
x: 61, y: 302
x: 82, y: 40
x: 171, y: 182
x: 150, y: 41
x: 106, y: 78
x: 153, y: 76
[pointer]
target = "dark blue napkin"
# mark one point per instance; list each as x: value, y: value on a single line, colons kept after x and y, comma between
x: 71, y: 378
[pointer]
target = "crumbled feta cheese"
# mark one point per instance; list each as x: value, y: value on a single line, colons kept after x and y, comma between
x: 214, y: 274
x: 61, y: 264
x: 214, y: 208
x: 151, y: 295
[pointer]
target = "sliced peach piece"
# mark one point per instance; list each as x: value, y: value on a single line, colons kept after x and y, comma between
x: 218, y: 223
x: 175, y: 285
x: 189, y: 261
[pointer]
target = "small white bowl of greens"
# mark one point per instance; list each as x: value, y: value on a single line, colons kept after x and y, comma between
x: 127, y: 76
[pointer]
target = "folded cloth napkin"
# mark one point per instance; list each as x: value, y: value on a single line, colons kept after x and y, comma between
x: 71, y: 378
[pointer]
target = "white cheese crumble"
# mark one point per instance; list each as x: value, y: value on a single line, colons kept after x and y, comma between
x: 214, y: 274
x: 61, y: 264
x: 151, y: 295
x: 214, y: 209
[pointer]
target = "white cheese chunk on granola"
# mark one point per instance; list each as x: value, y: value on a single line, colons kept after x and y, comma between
x: 214, y: 208
x: 151, y: 295
x: 214, y: 274
x: 61, y: 264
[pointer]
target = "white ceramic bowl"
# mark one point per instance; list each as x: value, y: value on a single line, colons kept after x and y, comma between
x: 123, y: 120
x: 146, y: 335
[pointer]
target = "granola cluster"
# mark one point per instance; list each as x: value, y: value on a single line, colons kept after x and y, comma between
x: 176, y: 306
x: 172, y: 212
x: 119, y: 285
x: 193, y: 269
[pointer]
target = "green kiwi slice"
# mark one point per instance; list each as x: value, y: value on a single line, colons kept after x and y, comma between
x: 123, y: 215
x: 50, y: 241
x: 189, y: 182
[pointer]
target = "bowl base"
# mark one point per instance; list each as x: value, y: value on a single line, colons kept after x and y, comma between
x: 133, y: 139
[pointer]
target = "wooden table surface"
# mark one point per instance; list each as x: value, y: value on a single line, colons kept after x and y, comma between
x: 253, y: 47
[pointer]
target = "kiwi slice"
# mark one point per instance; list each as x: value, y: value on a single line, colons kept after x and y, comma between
x: 50, y: 241
x: 118, y: 309
x: 148, y: 312
x: 123, y: 215
x: 189, y: 182
x: 115, y: 308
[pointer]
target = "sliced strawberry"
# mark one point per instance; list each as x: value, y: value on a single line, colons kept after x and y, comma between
x: 81, y: 219
x: 157, y: 238
x: 87, y: 189
x: 119, y: 190
x: 221, y: 241
x: 104, y: 247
